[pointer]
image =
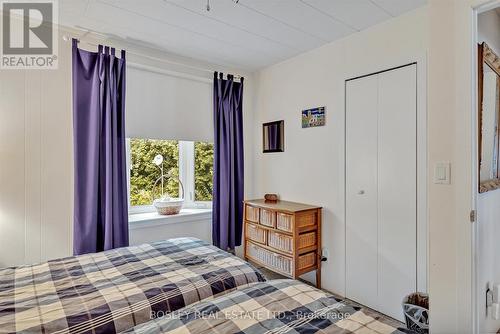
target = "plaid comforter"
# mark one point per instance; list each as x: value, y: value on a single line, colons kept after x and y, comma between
x: 115, y: 290
x: 277, y: 306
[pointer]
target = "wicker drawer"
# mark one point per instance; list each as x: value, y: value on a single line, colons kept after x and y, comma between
x: 255, y: 233
x: 267, y: 218
x: 305, y: 219
x: 251, y: 213
x: 280, y: 242
x: 307, y: 240
x: 273, y: 261
x: 284, y: 222
x: 307, y: 260
x: 285, y: 244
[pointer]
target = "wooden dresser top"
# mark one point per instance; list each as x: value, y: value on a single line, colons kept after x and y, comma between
x: 282, y: 205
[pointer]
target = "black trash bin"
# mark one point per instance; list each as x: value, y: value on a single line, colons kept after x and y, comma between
x: 416, y: 311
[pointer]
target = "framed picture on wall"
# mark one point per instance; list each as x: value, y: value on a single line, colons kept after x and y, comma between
x: 313, y: 117
x: 273, y: 137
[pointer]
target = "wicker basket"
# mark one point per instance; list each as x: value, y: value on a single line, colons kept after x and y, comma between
x: 284, y: 243
x: 252, y: 214
x: 307, y: 219
x: 284, y: 222
x: 276, y: 262
x: 172, y: 206
x: 267, y: 218
x: 280, y: 242
x: 307, y: 240
x: 307, y: 260
x: 255, y: 233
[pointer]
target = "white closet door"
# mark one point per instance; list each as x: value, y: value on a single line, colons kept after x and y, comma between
x: 381, y: 228
x: 361, y: 190
x: 397, y: 188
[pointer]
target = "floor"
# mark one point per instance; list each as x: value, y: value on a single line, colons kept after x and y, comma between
x: 368, y: 311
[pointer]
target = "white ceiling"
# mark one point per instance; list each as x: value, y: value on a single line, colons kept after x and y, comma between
x: 248, y: 35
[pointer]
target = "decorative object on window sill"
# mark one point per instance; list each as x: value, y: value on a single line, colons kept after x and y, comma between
x: 273, y: 137
x: 271, y: 198
x: 313, y: 117
x: 166, y: 205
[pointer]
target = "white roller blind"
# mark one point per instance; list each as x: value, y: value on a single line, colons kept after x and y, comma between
x: 162, y: 106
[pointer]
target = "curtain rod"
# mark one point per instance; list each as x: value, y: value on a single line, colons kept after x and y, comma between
x: 68, y: 38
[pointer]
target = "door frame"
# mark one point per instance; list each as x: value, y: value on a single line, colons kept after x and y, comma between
x: 422, y: 259
x: 476, y: 291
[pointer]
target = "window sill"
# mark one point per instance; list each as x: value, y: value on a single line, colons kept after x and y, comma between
x: 141, y: 220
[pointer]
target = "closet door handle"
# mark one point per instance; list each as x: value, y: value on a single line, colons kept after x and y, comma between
x: 361, y: 192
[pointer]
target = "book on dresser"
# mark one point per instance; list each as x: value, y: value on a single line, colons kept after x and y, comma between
x: 284, y: 237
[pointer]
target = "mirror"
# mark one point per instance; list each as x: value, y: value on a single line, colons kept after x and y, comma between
x: 489, y: 109
x: 273, y: 136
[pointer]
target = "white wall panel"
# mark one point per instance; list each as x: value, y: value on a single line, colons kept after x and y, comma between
x: 12, y: 167
x: 149, y: 232
x: 33, y: 171
x: 57, y: 158
x: 36, y: 197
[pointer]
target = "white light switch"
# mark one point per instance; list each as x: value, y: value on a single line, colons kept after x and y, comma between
x: 442, y: 173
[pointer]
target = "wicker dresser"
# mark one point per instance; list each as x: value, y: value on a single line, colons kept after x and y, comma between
x: 284, y: 237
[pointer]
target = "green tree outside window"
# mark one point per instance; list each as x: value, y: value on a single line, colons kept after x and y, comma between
x: 144, y: 173
x: 203, y: 170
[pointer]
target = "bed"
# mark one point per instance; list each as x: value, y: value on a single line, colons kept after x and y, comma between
x: 115, y: 290
x: 277, y: 306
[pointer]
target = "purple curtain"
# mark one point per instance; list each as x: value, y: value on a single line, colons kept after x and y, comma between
x: 228, y: 162
x: 101, y: 208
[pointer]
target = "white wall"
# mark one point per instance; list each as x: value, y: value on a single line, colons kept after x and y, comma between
x: 154, y: 229
x: 488, y: 209
x: 311, y: 169
x: 36, y: 169
x: 452, y: 133
x: 36, y: 155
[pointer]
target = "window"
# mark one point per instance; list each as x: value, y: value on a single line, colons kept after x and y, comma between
x: 191, y: 162
x: 203, y: 171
